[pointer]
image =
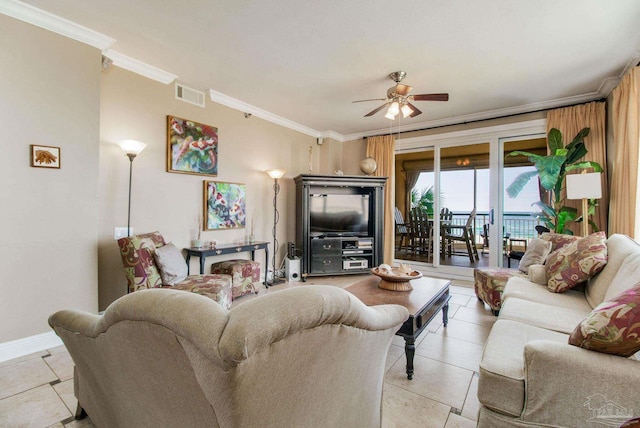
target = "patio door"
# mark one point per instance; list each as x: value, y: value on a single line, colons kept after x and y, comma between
x: 461, y: 171
x: 450, y: 179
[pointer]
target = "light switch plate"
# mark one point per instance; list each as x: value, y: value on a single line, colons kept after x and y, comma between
x: 121, y: 232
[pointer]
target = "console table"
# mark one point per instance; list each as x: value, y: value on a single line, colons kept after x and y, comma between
x: 219, y: 250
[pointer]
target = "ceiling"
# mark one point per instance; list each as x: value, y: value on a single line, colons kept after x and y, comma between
x: 304, y: 62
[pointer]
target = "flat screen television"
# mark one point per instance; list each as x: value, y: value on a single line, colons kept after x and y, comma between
x: 339, y: 214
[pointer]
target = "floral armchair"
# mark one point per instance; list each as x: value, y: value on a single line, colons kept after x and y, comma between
x: 142, y: 270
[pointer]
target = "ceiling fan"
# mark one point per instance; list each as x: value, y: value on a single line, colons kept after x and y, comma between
x: 398, y: 99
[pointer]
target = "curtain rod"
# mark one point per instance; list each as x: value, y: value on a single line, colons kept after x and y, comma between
x: 484, y: 120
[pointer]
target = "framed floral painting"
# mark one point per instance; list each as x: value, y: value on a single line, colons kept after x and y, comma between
x: 224, y: 205
x: 192, y: 147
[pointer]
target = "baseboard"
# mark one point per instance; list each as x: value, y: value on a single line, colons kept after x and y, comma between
x: 28, y: 345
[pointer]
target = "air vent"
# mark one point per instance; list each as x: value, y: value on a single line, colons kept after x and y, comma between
x: 189, y: 95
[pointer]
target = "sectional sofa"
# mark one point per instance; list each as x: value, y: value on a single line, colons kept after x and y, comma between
x: 530, y: 375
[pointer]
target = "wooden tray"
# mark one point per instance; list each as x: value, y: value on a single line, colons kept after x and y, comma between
x: 396, y: 280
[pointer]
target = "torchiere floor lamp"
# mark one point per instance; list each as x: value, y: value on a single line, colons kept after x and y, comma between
x: 131, y: 148
x: 275, y: 174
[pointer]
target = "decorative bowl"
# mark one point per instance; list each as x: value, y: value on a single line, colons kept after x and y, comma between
x: 396, y: 280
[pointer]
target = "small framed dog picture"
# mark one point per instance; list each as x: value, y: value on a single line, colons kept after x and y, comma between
x: 45, y: 156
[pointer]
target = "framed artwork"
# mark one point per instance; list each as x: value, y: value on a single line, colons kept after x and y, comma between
x: 224, y: 205
x: 45, y: 156
x: 192, y: 147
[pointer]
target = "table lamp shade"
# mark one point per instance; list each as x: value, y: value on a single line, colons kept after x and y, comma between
x: 584, y: 186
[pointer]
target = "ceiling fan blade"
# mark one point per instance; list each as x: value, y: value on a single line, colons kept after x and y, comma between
x: 371, y: 113
x: 431, y: 97
x: 374, y: 99
x: 416, y: 110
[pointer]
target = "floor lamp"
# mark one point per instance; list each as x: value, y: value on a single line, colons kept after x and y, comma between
x: 584, y: 186
x: 275, y: 174
x: 131, y: 148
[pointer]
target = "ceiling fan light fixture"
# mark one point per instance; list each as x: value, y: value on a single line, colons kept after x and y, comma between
x: 390, y: 116
x: 394, y: 108
x: 406, y: 111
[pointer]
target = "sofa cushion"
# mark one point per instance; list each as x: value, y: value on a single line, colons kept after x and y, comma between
x: 501, y: 382
x: 576, y: 262
x: 562, y: 320
x: 536, y: 253
x: 171, y: 264
x: 613, y: 327
x: 558, y: 240
x: 527, y: 290
x: 622, y: 252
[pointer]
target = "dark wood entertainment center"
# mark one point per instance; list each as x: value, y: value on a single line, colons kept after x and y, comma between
x: 339, y: 223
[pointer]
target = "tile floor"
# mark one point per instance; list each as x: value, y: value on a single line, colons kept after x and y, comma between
x: 37, y: 390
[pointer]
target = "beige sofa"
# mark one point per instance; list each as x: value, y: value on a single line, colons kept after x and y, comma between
x: 311, y: 356
x: 530, y: 375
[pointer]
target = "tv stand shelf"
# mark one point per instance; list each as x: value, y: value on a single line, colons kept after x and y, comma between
x: 339, y: 223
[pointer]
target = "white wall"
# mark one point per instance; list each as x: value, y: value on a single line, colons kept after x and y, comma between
x: 49, y: 95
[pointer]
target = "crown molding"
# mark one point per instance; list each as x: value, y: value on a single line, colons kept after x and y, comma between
x: 48, y: 21
x: 236, y: 104
x: 139, y: 67
x: 333, y: 135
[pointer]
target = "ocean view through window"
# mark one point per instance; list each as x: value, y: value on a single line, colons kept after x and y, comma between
x: 456, y: 193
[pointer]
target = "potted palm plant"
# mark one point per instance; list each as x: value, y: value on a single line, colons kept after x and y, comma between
x: 424, y: 199
x: 551, y: 170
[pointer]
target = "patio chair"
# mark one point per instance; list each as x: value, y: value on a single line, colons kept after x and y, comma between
x: 462, y: 233
x: 401, y: 229
x: 446, y: 217
x: 485, y: 237
x: 421, y: 232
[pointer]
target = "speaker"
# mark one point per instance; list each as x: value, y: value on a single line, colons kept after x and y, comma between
x: 292, y: 269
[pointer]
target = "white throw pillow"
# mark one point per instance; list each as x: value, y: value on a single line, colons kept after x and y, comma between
x: 538, y: 274
x: 537, y: 252
x: 172, y: 266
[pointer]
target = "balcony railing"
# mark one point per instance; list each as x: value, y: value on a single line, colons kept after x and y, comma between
x: 516, y: 224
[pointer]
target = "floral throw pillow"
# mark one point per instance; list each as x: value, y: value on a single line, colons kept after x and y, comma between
x: 613, y: 327
x: 558, y: 240
x: 576, y: 262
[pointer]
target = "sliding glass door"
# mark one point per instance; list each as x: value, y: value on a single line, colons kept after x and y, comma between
x: 452, y: 213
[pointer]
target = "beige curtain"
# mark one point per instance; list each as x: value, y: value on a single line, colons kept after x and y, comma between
x: 411, y: 180
x: 570, y: 120
x: 382, y: 149
x: 626, y: 138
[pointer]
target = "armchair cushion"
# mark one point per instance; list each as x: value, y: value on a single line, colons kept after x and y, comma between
x: 171, y: 264
x: 139, y: 264
x: 576, y: 262
x: 613, y: 327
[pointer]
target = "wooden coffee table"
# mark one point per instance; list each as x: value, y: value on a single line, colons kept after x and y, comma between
x: 428, y: 297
